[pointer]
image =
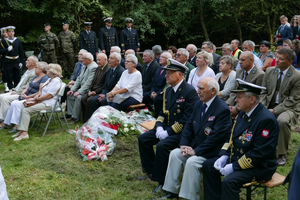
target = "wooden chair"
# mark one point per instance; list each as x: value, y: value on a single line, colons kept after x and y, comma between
x: 132, y: 107
x: 276, y: 180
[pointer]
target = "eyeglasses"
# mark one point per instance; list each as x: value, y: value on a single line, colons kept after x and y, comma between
x: 178, y: 54
x: 204, y: 47
x: 128, y: 61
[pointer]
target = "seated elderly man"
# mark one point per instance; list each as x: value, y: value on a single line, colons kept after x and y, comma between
x: 178, y: 102
x: 202, y: 138
x: 7, y: 98
x: 250, y: 154
x: 118, y: 50
x: 81, y: 87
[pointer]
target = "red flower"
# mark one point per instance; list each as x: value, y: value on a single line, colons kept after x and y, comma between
x: 138, y: 110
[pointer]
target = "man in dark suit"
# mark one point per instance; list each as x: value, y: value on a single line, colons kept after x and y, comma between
x: 88, y: 39
x: 118, y: 50
x: 202, y: 138
x: 192, y: 49
x: 129, y: 37
x: 208, y: 47
x: 96, y: 86
x: 284, y: 31
x: 159, y: 80
x: 157, y: 51
x: 282, y: 97
x: 113, y: 75
x: 179, y: 100
x: 148, y: 70
x: 250, y: 154
x: 108, y: 36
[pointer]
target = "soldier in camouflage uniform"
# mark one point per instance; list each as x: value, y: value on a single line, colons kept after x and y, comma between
x: 68, y: 44
x: 48, y: 42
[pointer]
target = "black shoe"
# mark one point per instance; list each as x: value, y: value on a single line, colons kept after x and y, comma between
x: 67, y: 116
x: 158, y: 188
x: 168, y: 195
x: 140, y: 178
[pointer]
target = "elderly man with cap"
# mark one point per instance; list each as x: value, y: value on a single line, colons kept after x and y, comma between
x: 108, y: 36
x: 129, y: 37
x: 48, y: 42
x: 11, y: 49
x: 68, y: 44
x: 178, y: 103
x: 250, y: 154
x: 157, y: 51
x: 88, y: 39
x: 282, y: 97
x: 202, y: 138
x: 81, y: 87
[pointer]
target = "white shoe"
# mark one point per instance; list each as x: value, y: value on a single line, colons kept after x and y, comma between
x: 16, y: 135
x: 21, y: 137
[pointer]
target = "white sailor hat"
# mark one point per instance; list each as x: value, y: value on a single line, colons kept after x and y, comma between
x: 108, y: 19
x: 129, y: 20
x: 10, y: 28
x: 243, y: 86
x: 88, y: 24
x: 175, y: 66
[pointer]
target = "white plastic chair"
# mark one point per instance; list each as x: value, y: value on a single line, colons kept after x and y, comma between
x: 57, y: 108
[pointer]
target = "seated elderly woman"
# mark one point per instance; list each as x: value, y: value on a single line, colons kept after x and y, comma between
x: 128, y: 90
x: 47, y: 96
x: 226, y: 77
x: 265, y: 55
x: 203, y: 60
x: 14, y: 110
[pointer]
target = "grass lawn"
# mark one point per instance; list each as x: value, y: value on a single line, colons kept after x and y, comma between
x: 51, y: 167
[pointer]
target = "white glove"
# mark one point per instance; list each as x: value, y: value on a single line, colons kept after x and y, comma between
x: 228, y: 169
x: 158, y: 130
x: 10, y: 48
x: 163, y: 135
x: 20, y: 65
x: 220, y: 163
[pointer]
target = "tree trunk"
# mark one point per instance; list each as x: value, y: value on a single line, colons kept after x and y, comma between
x: 270, y: 29
x: 202, y: 22
x: 239, y: 31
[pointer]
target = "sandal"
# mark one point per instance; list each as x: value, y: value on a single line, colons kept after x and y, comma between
x: 13, y: 130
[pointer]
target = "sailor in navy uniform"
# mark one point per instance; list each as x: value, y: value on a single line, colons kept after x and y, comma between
x: 178, y: 102
x: 250, y: 153
x: 129, y: 37
x: 11, y: 49
x: 88, y: 40
x: 108, y: 37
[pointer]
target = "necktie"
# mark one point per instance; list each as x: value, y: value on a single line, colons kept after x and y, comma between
x: 78, y: 72
x: 160, y: 71
x: 112, y: 73
x: 203, y: 111
x: 278, y: 82
x: 245, y: 75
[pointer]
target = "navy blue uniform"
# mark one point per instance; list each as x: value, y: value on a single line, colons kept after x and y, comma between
x: 129, y: 39
x: 178, y: 109
x: 88, y: 41
x: 253, y: 155
x: 11, y: 61
x: 208, y: 136
x: 108, y: 38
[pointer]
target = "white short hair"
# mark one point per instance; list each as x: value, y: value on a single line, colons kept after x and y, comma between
x: 168, y: 55
x: 133, y: 58
x: 184, y: 52
x: 88, y: 55
x: 213, y: 84
x: 118, y: 50
x: 117, y: 56
x: 194, y: 48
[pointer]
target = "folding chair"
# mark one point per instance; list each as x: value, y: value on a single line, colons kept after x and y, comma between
x: 57, y: 108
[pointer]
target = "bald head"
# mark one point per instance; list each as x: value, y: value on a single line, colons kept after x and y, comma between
x: 246, y: 60
x: 208, y: 88
x: 101, y: 59
x: 129, y: 51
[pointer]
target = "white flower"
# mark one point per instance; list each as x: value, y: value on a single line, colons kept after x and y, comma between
x: 126, y: 130
x: 132, y: 128
x: 125, y: 125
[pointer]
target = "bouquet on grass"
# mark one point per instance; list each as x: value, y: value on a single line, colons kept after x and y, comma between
x: 95, y: 138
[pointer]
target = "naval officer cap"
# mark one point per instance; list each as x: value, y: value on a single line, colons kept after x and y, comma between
x: 65, y: 22
x: 174, y: 65
x: 129, y: 20
x: 88, y: 24
x: 109, y: 19
x: 10, y: 28
x: 243, y: 86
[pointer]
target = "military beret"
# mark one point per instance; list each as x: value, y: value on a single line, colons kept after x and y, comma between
x: 175, y: 66
x: 10, y: 28
x: 65, y: 22
x: 243, y: 86
x: 88, y: 24
x: 4, y: 29
x: 129, y: 20
x: 47, y: 24
x: 109, y: 19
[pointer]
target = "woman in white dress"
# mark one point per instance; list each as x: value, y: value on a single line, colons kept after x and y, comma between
x: 47, y: 97
x: 203, y: 60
